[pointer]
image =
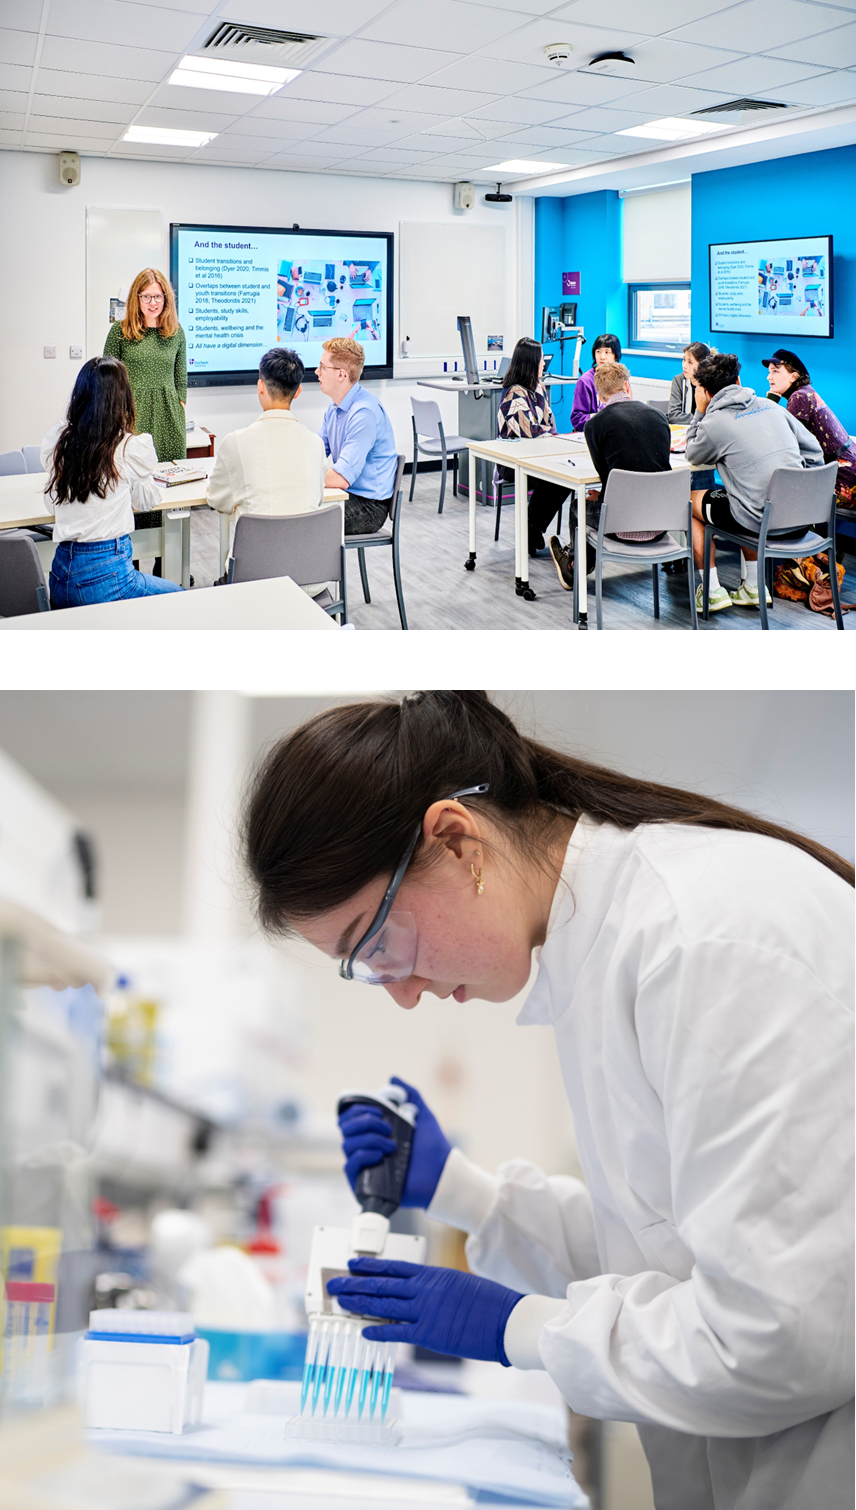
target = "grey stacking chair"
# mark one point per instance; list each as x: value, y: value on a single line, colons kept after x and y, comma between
x: 644, y: 501
x: 796, y: 499
x: 427, y: 423
x: 22, y: 581
x: 12, y: 463
x: 660, y: 404
x: 305, y: 547
x: 388, y: 538
x: 33, y: 458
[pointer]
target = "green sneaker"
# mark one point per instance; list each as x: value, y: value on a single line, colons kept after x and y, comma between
x: 719, y: 599
x: 747, y: 597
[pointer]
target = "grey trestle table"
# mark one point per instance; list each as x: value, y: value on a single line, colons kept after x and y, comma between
x: 555, y: 458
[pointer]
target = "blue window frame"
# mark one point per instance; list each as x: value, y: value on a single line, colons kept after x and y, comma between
x: 659, y: 316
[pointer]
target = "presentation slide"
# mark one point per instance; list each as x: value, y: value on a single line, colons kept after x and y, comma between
x: 775, y: 288
x: 241, y: 291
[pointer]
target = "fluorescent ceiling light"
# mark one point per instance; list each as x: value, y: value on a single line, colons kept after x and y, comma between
x: 239, y: 78
x: 520, y: 165
x: 156, y: 136
x: 670, y: 129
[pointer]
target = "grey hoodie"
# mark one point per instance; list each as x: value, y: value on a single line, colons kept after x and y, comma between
x: 746, y: 438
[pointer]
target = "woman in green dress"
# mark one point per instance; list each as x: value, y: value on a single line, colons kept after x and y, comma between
x: 150, y: 342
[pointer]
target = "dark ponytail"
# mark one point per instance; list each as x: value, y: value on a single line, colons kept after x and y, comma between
x: 333, y: 804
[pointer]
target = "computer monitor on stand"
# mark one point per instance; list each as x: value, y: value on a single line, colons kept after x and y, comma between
x: 465, y: 329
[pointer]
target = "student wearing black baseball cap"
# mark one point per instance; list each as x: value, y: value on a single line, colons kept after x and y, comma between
x: 789, y: 379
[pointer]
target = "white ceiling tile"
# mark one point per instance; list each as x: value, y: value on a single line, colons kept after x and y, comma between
x: 479, y: 129
x: 55, y: 125
x: 753, y: 75
x: 351, y: 131
x: 408, y: 121
x: 132, y: 25
x: 674, y: 99
x: 245, y: 148
x: 15, y: 76
x: 14, y: 99
x: 662, y: 60
x: 489, y: 74
x: 283, y: 131
x: 825, y: 89
x: 338, y: 89
x: 544, y: 138
x: 18, y: 46
x: 525, y: 7
x: 331, y: 150
x: 329, y: 18
x: 21, y: 15
x: 83, y: 86
x: 106, y: 58
x: 440, y: 143
x: 452, y: 24
x: 527, y: 45
x: 84, y: 109
x: 583, y: 89
x: 218, y: 101
x: 198, y: 7
x: 653, y: 19
x: 189, y: 120
x: 12, y: 120
x: 296, y: 162
x: 397, y: 155
x: 601, y: 119
x: 516, y: 108
x: 67, y: 141
x: 10, y: 138
x: 757, y: 23
x: 149, y: 153
x: 833, y: 49
x: 438, y: 101
x: 376, y: 60
x: 314, y: 112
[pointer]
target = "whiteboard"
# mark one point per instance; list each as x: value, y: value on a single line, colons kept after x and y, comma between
x: 446, y: 270
x: 119, y: 243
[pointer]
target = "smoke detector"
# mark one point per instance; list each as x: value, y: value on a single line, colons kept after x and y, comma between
x: 616, y: 64
x: 558, y: 52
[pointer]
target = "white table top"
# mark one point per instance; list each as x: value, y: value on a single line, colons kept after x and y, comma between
x: 275, y: 603
x: 564, y: 457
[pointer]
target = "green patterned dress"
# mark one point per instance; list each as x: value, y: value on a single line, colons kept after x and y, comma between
x: 157, y: 369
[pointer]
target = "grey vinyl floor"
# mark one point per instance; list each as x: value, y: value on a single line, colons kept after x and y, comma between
x: 439, y: 594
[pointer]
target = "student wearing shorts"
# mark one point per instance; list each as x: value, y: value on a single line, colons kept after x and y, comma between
x: 746, y: 438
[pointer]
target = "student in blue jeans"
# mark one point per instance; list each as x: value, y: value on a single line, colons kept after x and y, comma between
x: 100, y: 474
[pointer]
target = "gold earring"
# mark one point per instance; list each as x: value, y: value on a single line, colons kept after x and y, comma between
x: 477, y: 876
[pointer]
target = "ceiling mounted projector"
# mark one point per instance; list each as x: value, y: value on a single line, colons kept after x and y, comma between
x: 498, y: 197
x: 558, y: 52
x: 616, y: 64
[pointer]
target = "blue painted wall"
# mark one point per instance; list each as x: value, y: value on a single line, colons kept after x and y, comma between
x: 781, y: 197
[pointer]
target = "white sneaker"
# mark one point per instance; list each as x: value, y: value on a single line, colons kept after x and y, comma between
x: 747, y: 597
x: 718, y: 600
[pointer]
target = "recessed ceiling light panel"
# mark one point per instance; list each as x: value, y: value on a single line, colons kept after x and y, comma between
x: 235, y: 77
x: 671, y: 129
x: 157, y: 136
x: 520, y: 165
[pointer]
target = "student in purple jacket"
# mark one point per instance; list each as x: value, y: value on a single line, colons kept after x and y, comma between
x: 606, y: 348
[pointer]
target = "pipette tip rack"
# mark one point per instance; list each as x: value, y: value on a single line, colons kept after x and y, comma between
x: 346, y: 1395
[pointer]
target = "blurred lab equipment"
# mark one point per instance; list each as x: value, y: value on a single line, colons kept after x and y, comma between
x: 142, y: 1371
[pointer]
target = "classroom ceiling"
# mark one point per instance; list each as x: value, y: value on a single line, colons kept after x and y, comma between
x: 418, y: 89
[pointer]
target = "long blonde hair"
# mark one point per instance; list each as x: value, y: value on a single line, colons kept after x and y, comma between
x: 134, y: 325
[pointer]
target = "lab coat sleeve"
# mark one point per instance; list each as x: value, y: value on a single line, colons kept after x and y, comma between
x: 750, y: 1057
x: 529, y: 1231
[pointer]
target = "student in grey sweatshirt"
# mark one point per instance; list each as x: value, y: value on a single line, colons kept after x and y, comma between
x: 746, y: 438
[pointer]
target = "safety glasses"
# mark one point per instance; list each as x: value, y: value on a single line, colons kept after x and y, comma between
x: 387, y: 950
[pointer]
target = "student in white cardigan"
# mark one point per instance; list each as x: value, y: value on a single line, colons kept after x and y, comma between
x: 275, y: 465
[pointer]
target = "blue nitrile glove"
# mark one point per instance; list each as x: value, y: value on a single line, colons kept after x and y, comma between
x: 443, y: 1309
x: 367, y: 1138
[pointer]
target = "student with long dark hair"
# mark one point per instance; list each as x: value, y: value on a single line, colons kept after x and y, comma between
x: 524, y: 412
x: 607, y: 348
x: 696, y: 966
x: 100, y: 473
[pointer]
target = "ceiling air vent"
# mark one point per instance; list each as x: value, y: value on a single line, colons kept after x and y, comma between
x: 264, y: 44
x: 739, y: 107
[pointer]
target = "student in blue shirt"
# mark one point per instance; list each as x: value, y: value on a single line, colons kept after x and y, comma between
x: 357, y: 437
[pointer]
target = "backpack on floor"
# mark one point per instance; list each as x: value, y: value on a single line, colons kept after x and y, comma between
x: 806, y: 580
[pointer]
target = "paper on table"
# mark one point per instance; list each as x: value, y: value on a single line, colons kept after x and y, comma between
x: 512, y: 1449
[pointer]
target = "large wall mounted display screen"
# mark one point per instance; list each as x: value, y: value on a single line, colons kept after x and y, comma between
x: 244, y: 289
x: 774, y: 288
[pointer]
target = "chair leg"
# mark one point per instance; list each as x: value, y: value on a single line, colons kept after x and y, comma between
x: 762, y: 584
x: 442, y: 485
x: 770, y: 564
x: 656, y: 582
x: 598, y: 586
x: 455, y: 475
x: 691, y: 581
x: 498, y: 511
x: 364, y: 575
x: 399, y: 591
x: 413, y: 470
x: 705, y: 575
x: 833, y: 582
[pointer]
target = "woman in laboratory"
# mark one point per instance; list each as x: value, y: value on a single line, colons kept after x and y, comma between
x: 695, y: 963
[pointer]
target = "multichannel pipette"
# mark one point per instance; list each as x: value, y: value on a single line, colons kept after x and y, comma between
x: 347, y: 1380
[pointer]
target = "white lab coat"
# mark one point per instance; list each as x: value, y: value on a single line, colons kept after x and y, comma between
x: 699, y: 985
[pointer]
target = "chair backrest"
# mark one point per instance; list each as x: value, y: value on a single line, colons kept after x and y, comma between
x: 12, y: 463
x: 646, y: 501
x: 395, y: 506
x: 22, y: 581
x: 660, y: 404
x: 306, y: 547
x: 32, y: 458
x: 426, y: 417
x: 801, y: 495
